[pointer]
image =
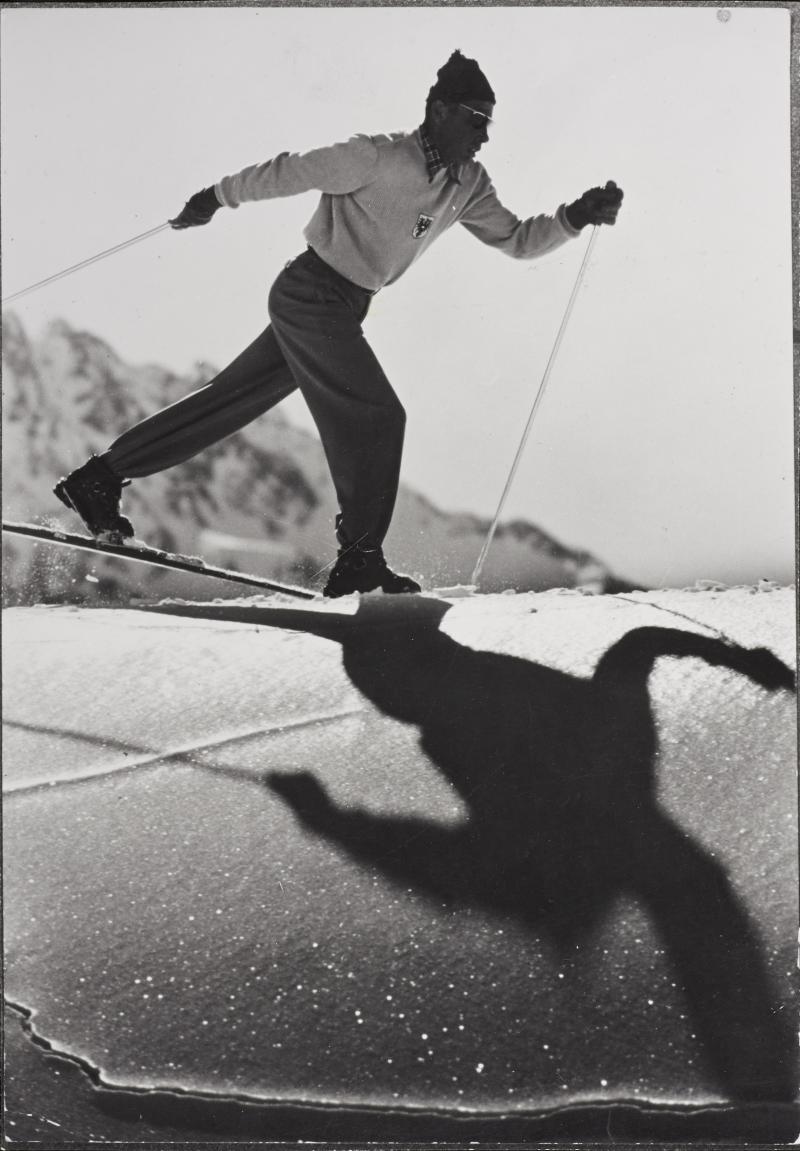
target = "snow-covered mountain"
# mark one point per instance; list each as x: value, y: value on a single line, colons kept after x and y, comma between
x: 261, y: 500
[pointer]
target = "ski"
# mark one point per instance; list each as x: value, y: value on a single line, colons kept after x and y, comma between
x: 141, y: 553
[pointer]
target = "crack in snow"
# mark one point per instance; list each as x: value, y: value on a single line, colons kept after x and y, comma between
x: 148, y: 758
x: 679, y: 614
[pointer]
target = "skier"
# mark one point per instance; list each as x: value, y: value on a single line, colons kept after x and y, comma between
x: 385, y: 199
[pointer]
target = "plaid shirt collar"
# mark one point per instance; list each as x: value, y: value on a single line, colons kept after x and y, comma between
x: 433, y: 160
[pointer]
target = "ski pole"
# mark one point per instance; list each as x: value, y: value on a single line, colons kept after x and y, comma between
x: 85, y: 263
x: 542, y: 386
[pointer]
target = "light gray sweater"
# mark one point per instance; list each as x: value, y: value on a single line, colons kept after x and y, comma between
x: 380, y: 211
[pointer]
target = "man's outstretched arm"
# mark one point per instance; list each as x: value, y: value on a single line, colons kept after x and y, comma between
x: 337, y: 169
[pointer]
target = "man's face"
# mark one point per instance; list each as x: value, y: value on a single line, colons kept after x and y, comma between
x: 459, y: 130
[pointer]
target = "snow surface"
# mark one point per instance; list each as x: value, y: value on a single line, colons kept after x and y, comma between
x: 531, y: 885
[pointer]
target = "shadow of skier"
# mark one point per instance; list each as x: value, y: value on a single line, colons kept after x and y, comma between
x: 557, y: 773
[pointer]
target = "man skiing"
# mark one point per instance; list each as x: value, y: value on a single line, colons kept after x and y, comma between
x: 385, y: 199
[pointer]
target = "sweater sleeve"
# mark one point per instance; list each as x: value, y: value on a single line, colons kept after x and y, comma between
x: 489, y: 221
x: 337, y: 169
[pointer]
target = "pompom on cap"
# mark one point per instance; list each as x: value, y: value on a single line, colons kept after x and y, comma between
x: 461, y: 79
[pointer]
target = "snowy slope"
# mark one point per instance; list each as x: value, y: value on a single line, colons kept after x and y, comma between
x: 69, y: 394
x: 488, y: 855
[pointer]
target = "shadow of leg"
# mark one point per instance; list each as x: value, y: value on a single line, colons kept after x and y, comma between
x: 718, y: 956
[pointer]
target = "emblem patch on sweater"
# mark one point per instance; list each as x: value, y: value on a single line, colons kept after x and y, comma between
x: 421, y: 226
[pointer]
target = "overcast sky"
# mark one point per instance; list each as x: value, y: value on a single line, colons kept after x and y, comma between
x: 665, y: 442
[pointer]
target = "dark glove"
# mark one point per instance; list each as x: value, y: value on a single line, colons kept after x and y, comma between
x: 198, y: 210
x: 597, y: 206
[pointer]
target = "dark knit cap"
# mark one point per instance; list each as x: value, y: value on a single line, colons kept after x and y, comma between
x: 461, y: 79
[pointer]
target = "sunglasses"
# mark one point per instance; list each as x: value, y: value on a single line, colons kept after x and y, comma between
x: 482, y: 117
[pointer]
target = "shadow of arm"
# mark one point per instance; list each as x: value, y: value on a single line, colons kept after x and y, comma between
x: 635, y: 654
x: 428, y: 855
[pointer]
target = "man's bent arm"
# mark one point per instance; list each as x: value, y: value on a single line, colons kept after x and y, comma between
x: 492, y: 223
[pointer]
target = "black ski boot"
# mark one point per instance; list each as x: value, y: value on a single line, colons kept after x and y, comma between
x: 93, y: 491
x: 364, y: 569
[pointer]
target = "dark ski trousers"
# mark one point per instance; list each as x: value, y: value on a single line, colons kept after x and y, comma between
x: 315, y: 343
